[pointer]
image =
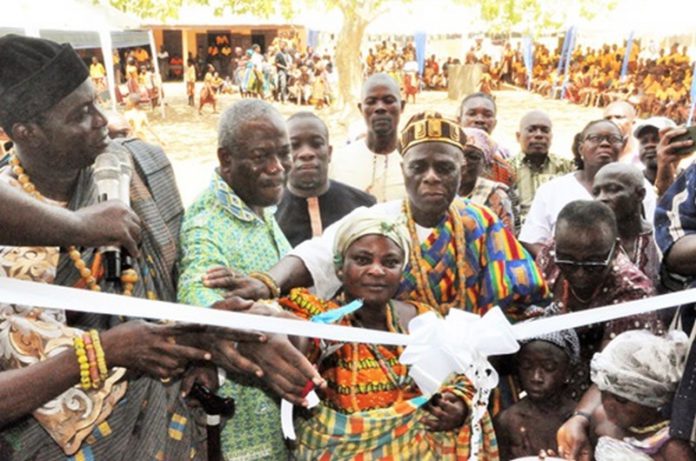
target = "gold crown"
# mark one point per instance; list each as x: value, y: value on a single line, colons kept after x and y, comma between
x: 430, y: 127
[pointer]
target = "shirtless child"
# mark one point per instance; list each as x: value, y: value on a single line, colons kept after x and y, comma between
x: 544, y: 366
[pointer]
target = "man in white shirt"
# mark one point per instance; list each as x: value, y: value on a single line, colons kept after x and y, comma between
x: 372, y: 164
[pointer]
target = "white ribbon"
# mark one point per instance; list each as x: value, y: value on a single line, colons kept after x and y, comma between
x: 13, y: 291
x: 286, y: 418
x: 436, y: 347
x: 459, y: 343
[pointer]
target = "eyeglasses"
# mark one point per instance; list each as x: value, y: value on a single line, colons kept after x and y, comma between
x: 598, y: 138
x: 589, y: 266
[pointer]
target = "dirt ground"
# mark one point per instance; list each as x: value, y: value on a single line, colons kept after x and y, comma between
x: 191, y: 139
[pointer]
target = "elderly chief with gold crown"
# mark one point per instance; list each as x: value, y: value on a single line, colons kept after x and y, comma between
x: 461, y: 255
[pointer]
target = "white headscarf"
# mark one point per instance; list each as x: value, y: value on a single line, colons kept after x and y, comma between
x: 368, y: 222
x: 641, y: 367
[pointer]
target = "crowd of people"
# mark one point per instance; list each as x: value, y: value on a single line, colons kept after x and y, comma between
x: 285, y: 73
x: 656, y: 83
x: 400, y: 64
x: 282, y: 73
x: 433, y: 214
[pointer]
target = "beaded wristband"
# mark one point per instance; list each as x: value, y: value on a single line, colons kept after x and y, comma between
x: 101, y: 359
x: 267, y: 280
x: 92, y: 359
x: 83, y: 362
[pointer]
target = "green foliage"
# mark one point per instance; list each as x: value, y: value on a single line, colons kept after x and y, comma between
x: 536, y: 16
x: 163, y: 9
x: 160, y: 9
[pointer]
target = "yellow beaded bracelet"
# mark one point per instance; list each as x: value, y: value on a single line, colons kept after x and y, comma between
x: 92, y: 359
x: 81, y: 353
x: 101, y: 359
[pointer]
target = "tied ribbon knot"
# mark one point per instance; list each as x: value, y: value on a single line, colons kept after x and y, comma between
x: 459, y: 344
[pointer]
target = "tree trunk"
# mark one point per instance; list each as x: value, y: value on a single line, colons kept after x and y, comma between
x: 348, y: 62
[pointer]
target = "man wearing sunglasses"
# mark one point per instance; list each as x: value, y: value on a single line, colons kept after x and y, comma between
x: 585, y: 269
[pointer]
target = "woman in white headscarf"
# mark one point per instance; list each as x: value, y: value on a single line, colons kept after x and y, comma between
x: 638, y: 373
x: 371, y: 408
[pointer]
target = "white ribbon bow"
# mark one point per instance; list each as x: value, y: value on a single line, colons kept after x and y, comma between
x: 459, y: 344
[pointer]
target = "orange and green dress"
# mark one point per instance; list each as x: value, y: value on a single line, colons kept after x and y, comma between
x: 371, y: 409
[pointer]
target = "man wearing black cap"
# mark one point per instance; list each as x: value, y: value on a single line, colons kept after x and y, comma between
x: 48, y: 109
x: 659, y: 154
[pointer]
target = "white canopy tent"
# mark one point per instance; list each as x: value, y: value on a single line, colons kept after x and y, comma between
x: 439, y: 20
x: 401, y: 18
x: 433, y: 17
x: 664, y: 23
x: 82, y: 23
x: 396, y: 17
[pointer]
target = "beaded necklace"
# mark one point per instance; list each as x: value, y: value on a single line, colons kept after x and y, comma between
x: 637, y: 256
x: 425, y: 293
x: 371, y: 188
x: 397, y: 380
x: 648, y: 429
x: 128, y: 278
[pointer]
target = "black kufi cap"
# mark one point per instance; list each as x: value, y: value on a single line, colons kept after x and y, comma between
x: 35, y: 74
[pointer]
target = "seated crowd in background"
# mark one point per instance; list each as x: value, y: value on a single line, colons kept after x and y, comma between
x: 453, y: 222
x: 656, y: 83
x: 401, y: 65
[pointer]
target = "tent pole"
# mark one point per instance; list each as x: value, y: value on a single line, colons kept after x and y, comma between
x: 155, y: 64
x: 105, y: 39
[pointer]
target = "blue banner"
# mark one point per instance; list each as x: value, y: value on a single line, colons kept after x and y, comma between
x: 313, y: 39
x: 627, y: 56
x: 528, y: 56
x: 693, y: 96
x: 420, y: 38
x: 693, y: 84
x: 569, y: 54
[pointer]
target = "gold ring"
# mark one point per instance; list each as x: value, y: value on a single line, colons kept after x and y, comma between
x: 165, y: 380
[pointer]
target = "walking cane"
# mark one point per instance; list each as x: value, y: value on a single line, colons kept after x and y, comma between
x: 215, y: 407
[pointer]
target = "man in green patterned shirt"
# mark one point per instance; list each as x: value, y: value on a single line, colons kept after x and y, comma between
x: 534, y: 165
x: 231, y: 225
